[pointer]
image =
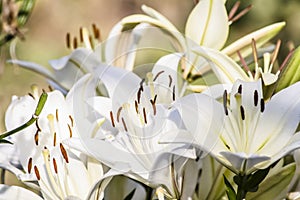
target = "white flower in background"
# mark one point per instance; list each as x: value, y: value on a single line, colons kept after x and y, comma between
x: 61, y: 172
x: 124, y: 128
x: 253, y: 134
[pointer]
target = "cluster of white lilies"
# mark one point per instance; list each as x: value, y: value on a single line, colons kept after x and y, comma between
x: 203, y: 122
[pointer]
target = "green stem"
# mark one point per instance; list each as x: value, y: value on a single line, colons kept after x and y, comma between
x: 38, y: 110
x: 241, y: 191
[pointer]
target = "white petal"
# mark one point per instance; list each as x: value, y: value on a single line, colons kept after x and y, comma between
x: 207, y: 17
x: 16, y: 192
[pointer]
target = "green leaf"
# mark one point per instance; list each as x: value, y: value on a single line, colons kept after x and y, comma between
x: 230, y: 190
x: 25, y: 10
x: 274, y: 186
x: 130, y: 195
x: 255, y: 179
x: 291, y: 74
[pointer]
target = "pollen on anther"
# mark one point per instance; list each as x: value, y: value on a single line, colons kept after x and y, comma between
x: 72, y: 121
x: 262, y: 105
x: 240, y: 89
x: 64, y: 152
x: 153, y: 106
x: 225, y: 102
x: 145, y: 115
x: 37, y: 173
x: 170, y: 80
x: 36, y: 138
x: 56, y: 114
x: 80, y: 34
x: 118, y: 114
x: 112, y: 119
x: 173, y: 96
x: 68, y: 40
x: 54, y: 139
x: 70, y: 131
x: 75, y: 43
x: 54, y: 165
x: 255, y: 98
x: 242, y: 112
x: 136, y: 107
x: 124, y: 124
x: 29, y: 167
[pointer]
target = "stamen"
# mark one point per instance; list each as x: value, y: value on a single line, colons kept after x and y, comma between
x: 275, y: 53
x: 139, y: 95
x: 112, y: 119
x: 170, y: 80
x: 125, y: 127
x: 242, y: 112
x: 141, y: 84
x: 75, y: 43
x: 241, y: 14
x: 56, y: 114
x: 70, y: 131
x: 145, y: 116
x: 255, y: 98
x: 155, y: 97
x: 233, y: 10
x: 31, y: 95
x: 68, y: 40
x: 29, y: 166
x: 54, y: 165
x: 240, y: 89
x: 286, y: 60
x: 173, y: 93
x: 153, y: 106
x: 37, y: 173
x: 50, y: 88
x: 36, y: 138
x: 54, y: 139
x: 227, y: 146
x: 262, y: 105
x: 254, y: 50
x: 64, y: 152
x: 225, y: 102
x: 136, y: 107
x: 243, y: 62
x: 80, y: 35
x: 72, y: 121
x: 119, y: 113
x: 158, y: 74
x: 96, y: 31
x: 91, y: 42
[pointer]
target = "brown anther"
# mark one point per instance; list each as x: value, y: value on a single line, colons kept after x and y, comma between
x: 262, y: 105
x: 243, y: 62
x: 225, y: 102
x: 155, y: 97
x: 29, y: 166
x: 145, y: 115
x: 233, y: 10
x: 64, y: 152
x: 50, y: 88
x: 36, y: 138
x: 96, y: 31
x: 276, y: 51
x: 255, y: 98
x: 68, y: 40
x: 37, y: 173
x: 80, y: 35
x: 70, y: 131
x: 72, y: 121
x: 75, y: 43
x: 54, y: 139
x: 91, y: 41
x: 254, y: 50
x: 118, y: 114
x: 241, y: 14
x: 153, y: 106
x: 242, y: 112
x: 31, y: 95
x: 141, y: 84
x: 158, y: 74
x: 112, y: 119
x: 173, y: 95
x: 124, y: 124
x: 240, y: 89
x: 170, y: 80
x: 136, y: 107
x: 54, y: 165
x: 56, y: 115
x: 139, y: 95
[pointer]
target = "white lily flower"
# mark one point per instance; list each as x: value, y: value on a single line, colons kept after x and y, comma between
x: 60, y: 171
x: 250, y: 133
x: 124, y: 128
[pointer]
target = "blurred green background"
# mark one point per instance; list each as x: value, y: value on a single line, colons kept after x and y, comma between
x: 51, y: 20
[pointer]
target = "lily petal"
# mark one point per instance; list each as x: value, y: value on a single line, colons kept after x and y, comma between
x: 16, y: 192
